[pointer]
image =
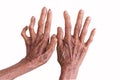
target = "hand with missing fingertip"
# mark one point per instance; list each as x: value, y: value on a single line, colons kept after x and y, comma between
x: 39, y: 47
x: 71, y: 49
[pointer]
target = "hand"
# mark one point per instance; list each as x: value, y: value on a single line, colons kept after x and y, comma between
x: 72, y: 49
x: 38, y: 45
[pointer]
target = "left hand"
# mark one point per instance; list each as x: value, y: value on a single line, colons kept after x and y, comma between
x: 72, y: 49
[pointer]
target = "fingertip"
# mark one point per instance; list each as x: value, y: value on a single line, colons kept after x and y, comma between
x: 94, y: 31
x: 88, y: 18
x: 53, y: 35
x: 32, y: 19
x: 59, y: 32
x: 66, y: 14
x: 81, y: 11
x: 23, y: 33
x: 54, y: 38
x: 59, y: 29
x: 50, y: 11
x: 44, y: 8
x: 25, y: 28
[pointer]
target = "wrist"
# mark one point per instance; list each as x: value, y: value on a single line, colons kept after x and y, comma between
x: 69, y: 73
x: 16, y: 70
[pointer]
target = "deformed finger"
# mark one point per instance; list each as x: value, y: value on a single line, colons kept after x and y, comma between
x: 91, y: 37
x: 50, y: 48
x: 23, y: 33
x: 84, y: 30
x: 59, y: 35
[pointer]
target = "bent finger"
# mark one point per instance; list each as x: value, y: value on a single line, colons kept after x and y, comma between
x: 23, y: 33
x: 90, y: 39
x: 51, y: 47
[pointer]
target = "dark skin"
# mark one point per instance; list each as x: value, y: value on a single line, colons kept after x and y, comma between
x: 39, y: 47
x: 71, y: 49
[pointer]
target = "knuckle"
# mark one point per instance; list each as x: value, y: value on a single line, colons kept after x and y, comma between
x: 41, y: 23
x: 84, y: 32
x: 22, y: 34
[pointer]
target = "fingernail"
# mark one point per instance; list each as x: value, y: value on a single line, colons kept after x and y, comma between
x: 44, y: 9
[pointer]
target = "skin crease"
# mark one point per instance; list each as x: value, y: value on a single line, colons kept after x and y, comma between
x: 39, y: 47
x: 71, y: 49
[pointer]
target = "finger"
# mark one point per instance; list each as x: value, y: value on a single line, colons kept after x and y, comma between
x: 67, y: 25
x: 84, y: 30
x: 78, y: 24
x: 50, y: 48
x: 41, y: 21
x: 91, y: 37
x: 59, y: 35
x: 48, y: 24
x: 23, y: 33
x: 31, y: 27
x: 52, y: 43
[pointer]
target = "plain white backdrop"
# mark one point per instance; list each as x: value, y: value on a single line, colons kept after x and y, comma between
x: 102, y: 61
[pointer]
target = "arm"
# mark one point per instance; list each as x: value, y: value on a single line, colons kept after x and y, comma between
x: 72, y: 49
x: 39, y: 47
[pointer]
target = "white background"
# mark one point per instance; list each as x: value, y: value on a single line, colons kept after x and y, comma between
x: 102, y: 61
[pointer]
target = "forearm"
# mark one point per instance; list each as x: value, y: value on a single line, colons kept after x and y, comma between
x: 16, y: 70
x: 68, y: 73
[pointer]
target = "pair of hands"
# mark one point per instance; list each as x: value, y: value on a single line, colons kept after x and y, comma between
x: 71, y: 49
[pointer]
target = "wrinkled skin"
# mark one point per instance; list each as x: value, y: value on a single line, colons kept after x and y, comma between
x: 38, y: 45
x: 71, y: 49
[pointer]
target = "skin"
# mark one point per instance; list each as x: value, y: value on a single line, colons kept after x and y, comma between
x: 39, y: 47
x: 71, y: 49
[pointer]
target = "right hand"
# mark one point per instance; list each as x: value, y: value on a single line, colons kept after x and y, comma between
x: 38, y: 46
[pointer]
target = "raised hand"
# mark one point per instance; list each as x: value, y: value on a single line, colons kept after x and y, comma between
x: 71, y: 49
x: 38, y: 45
